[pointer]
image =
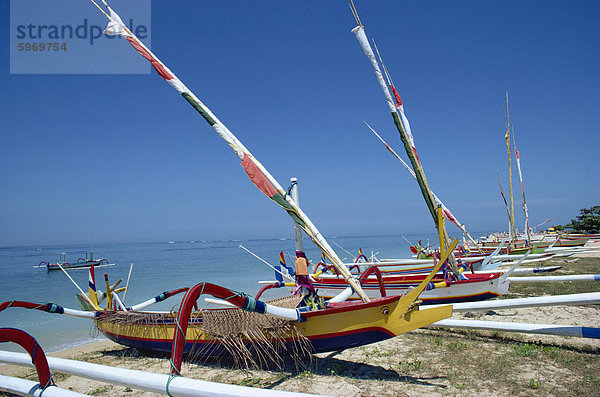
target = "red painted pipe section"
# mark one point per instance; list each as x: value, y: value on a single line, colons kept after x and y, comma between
x: 46, y: 307
x: 185, y: 310
x: 266, y: 287
x: 27, y: 342
x: 377, y: 272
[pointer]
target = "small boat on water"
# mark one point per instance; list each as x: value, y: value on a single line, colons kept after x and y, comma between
x: 81, y: 262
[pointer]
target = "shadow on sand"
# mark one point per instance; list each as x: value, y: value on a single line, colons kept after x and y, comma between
x: 308, y: 365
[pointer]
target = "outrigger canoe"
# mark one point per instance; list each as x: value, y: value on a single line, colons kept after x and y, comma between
x: 86, y: 262
x: 254, y: 327
x: 475, y: 287
x: 340, y: 326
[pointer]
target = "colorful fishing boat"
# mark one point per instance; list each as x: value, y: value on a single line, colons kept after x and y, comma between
x: 254, y: 331
x: 212, y: 332
x: 473, y: 287
x: 81, y: 262
x: 520, y: 246
x: 577, y: 236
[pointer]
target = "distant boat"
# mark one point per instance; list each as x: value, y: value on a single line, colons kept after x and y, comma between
x: 80, y: 263
x: 171, y: 242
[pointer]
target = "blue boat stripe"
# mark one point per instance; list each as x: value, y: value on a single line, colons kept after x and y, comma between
x: 589, y: 332
x: 260, y: 307
x: 596, y: 277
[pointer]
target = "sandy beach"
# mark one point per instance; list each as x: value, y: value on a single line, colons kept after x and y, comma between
x: 428, y: 361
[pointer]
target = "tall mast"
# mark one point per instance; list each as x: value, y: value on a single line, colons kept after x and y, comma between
x: 523, y: 202
x: 505, y: 204
x: 403, y: 128
x: 257, y: 173
x: 510, y: 187
x: 297, y: 230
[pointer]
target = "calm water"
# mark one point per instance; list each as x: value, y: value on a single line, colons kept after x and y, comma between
x: 157, y: 267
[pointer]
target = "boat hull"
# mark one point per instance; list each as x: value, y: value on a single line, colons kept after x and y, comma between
x: 54, y: 266
x: 340, y: 326
x: 479, y: 287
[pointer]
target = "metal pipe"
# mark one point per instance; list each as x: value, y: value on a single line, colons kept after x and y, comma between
x: 573, y: 277
x: 546, y: 329
x: 29, y: 388
x: 141, y: 380
x: 297, y: 229
x: 589, y: 298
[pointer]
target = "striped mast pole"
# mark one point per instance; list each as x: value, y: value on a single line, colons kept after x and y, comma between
x: 510, y: 186
x: 403, y: 128
x: 257, y: 173
x: 505, y: 206
x: 445, y: 211
x: 297, y: 231
x: 523, y: 202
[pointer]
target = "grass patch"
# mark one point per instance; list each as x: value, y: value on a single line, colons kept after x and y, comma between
x: 306, y: 374
x: 370, y: 352
x: 336, y: 368
x: 99, y: 390
x: 581, y: 266
x: 503, y: 364
x: 534, y: 384
x: 413, y: 365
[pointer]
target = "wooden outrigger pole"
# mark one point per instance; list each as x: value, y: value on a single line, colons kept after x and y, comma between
x: 400, y: 122
x: 510, y: 187
x: 257, y: 173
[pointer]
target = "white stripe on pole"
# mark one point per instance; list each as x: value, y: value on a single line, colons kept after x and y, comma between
x: 546, y: 329
x: 79, y: 313
x: 142, y: 380
x: 541, y: 279
x: 589, y: 298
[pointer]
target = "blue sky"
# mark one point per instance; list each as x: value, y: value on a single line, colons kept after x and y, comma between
x: 103, y: 158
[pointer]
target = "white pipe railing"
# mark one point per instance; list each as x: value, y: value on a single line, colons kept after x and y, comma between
x: 542, y: 279
x: 588, y: 298
x: 25, y: 387
x: 505, y: 326
x: 148, y: 381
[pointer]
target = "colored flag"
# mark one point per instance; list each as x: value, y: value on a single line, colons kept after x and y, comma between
x: 283, y: 269
x: 92, y: 287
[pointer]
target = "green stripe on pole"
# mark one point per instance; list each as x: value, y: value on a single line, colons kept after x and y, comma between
x: 415, y: 165
x: 199, y: 108
x: 278, y: 198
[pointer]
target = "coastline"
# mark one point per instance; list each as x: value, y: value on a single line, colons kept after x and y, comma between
x: 427, y: 361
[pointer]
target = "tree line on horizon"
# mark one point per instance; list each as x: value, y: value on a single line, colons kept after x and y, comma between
x: 588, y: 221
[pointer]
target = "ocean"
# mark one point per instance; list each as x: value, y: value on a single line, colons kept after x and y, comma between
x: 157, y: 267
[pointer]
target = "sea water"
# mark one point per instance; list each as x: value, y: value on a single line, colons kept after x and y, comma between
x: 157, y: 267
